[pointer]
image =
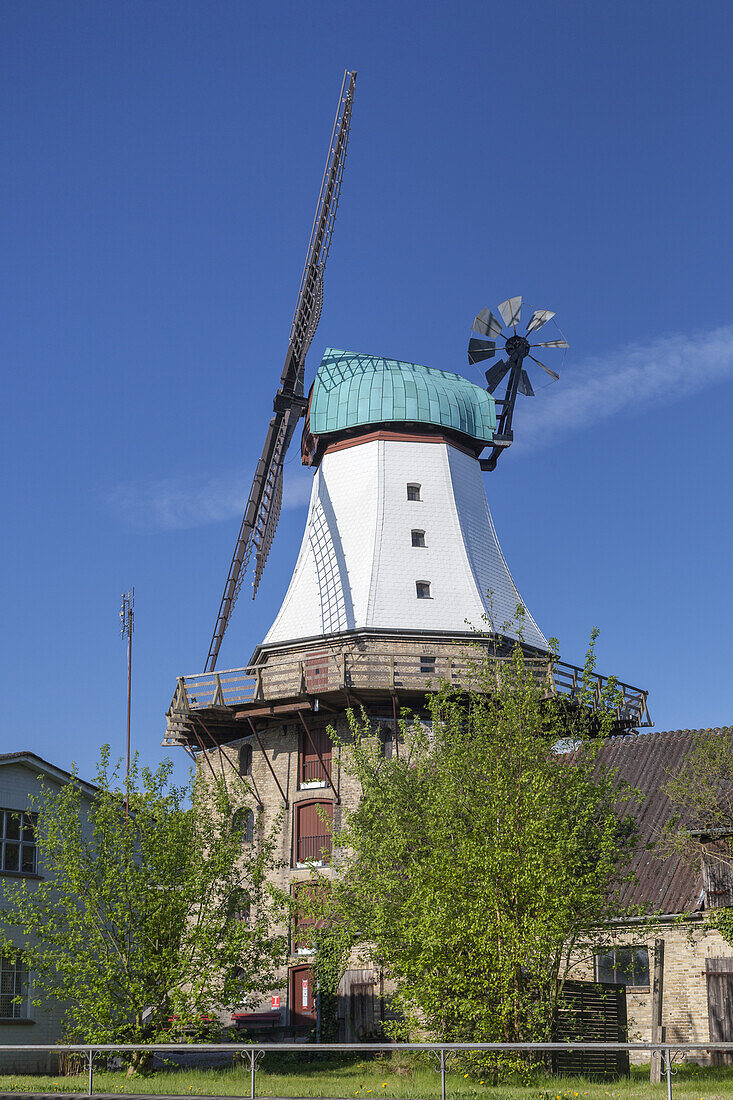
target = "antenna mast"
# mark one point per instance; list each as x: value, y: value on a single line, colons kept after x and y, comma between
x: 127, y: 618
x: 262, y: 511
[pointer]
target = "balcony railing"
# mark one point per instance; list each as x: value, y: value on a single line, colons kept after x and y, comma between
x: 312, y: 771
x: 378, y: 670
x: 314, y: 849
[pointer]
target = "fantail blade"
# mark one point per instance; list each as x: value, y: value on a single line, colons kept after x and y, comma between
x: 478, y: 350
x: 485, y: 323
x: 511, y: 311
x: 538, y: 319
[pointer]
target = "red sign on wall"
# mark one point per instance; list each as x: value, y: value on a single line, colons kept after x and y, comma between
x: 276, y: 1001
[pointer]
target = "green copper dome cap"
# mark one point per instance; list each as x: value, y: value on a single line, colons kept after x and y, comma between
x: 352, y: 390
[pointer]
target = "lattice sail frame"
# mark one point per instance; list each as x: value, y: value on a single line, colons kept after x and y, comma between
x: 262, y: 511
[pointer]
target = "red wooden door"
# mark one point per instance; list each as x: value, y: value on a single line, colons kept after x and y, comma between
x: 302, y: 997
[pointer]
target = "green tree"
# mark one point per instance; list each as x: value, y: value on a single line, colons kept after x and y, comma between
x: 163, y: 914
x: 484, y: 855
x: 700, y: 828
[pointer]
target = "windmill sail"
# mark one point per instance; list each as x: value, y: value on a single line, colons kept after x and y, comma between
x: 262, y: 511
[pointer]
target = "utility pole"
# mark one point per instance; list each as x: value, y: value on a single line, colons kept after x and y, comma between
x: 127, y: 618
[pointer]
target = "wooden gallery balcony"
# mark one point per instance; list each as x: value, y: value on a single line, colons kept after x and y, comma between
x: 219, y: 704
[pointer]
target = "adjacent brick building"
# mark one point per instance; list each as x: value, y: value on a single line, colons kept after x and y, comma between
x: 672, y: 897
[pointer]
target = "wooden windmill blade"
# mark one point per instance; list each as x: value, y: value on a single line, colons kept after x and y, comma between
x: 262, y: 510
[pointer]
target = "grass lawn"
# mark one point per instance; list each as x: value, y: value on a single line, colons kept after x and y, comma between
x: 397, y: 1079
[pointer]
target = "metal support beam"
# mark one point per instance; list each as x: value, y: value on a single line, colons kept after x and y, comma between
x: 267, y: 761
x: 250, y: 787
x: 396, y: 724
x: 204, y: 750
x: 215, y: 744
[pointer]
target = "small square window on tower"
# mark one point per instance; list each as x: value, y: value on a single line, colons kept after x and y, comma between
x: 423, y: 590
x: 413, y: 492
x: 418, y: 538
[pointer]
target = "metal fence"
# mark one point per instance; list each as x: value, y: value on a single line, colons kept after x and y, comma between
x: 441, y: 1052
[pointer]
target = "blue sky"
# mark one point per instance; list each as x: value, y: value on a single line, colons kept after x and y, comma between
x: 160, y: 165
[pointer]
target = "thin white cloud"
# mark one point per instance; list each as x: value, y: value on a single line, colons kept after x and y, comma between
x: 177, y: 504
x: 662, y: 371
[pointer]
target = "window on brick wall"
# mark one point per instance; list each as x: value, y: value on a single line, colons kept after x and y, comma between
x: 245, y: 760
x: 413, y: 491
x: 244, y: 823
x: 18, y: 842
x: 313, y: 832
x: 717, y: 872
x: 387, y: 740
x: 418, y: 538
x: 423, y: 590
x: 239, y: 907
x: 624, y: 966
x: 314, y: 758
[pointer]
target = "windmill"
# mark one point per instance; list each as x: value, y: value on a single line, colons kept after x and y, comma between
x: 262, y: 510
x: 517, y: 348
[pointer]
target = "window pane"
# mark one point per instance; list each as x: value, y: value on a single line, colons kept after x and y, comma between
x: 12, y: 857
x: 641, y: 966
x: 604, y: 967
x: 29, y: 828
x: 28, y: 859
x: 624, y: 966
x: 12, y: 825
x: 13, y: 981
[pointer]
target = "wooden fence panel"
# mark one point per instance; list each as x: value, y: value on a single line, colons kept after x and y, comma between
x: 592, y: 1012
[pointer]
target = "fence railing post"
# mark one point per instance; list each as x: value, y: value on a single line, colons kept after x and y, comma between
x: 442, y: 1073
x: 668, y: 1069
x: 254, y: 1057
x: 91, y: 1071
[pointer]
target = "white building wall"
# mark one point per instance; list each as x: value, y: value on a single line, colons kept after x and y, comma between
x: 19, y: 784
x: 357, y: 567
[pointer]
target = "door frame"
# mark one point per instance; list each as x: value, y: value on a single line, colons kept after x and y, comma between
x: 293, y: 972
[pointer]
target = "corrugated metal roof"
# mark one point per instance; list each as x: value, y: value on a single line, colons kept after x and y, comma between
x: 647, y: 762
x: 352, y: 390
